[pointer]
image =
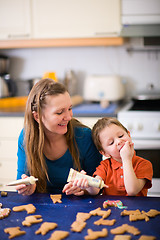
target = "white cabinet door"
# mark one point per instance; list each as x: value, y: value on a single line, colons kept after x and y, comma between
x: 15, y: 19
x: 75, y: 18
x: 10, y: 128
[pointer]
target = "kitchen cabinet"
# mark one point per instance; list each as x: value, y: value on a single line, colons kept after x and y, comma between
x: 15, y: 19
x: 10, y: 128
x: 76, y: 19
x: 59, y: 23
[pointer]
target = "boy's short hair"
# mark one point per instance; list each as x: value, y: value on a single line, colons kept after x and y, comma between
x: 100, y: 125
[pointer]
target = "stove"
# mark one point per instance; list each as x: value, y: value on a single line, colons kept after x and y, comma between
x: 142, y: 119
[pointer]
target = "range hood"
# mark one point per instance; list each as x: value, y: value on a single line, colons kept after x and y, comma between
x: 140, y: 30
x: 140, y: 18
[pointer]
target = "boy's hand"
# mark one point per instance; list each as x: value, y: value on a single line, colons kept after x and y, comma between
x: 127, y: 151
x: 76, y: 187
x: 70, y: 189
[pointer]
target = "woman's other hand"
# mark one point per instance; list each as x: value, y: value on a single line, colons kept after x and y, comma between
x: 25, y: 189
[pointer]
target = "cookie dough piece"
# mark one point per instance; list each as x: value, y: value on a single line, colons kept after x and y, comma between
x: 78, y: 226
x: 136, y: 217
x: 128, y: 212
x: 152, y: 213
x: 58, y: 235
x: 4, y: 194
x: 96, y: 234
x: 125, y: 228
x: 145, y: 237
x: 56, y: 198
x: 102, y: 221
x: 30, y: 208
x: 82, y: 216
x: 46, y: 227
x: 99, y: 212
x: 31, y: 220
x: 14, y: 232
x: 4, y: 212
x: 122, y: 237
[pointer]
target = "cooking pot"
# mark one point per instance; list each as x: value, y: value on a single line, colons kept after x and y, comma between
x: 150, y: 94
x: 147, y: 96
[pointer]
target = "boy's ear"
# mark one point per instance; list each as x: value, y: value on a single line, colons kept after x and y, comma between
x: 104, y: 154
x: 35, y: 115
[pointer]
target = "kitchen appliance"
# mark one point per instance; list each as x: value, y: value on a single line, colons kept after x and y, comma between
x: 142, y: 118
x: 7, y: 85
x: 140, y: 18
x: 100, y: 88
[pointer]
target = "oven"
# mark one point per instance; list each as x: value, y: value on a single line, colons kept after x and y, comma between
x: 142, y: 119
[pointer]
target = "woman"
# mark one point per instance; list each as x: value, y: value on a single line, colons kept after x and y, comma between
x: 52, y: 141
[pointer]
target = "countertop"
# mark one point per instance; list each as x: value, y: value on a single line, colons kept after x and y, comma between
x: 81, y: 110
x: 12, y: 112
x: 64, y: 214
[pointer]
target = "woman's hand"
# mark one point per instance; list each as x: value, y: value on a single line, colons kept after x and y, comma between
x: 25, y: 189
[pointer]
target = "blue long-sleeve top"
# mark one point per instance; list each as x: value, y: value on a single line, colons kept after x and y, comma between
x: 58, y: 170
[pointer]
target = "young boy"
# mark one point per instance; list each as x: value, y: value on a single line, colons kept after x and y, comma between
x: 125, y: 173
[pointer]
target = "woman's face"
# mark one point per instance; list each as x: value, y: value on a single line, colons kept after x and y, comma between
x: 113, y: 139
x: 57, y: 113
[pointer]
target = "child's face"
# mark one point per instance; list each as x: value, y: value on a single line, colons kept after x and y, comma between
x: 113, y: 139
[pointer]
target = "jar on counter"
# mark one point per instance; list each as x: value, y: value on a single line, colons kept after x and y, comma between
x: 70, y: 82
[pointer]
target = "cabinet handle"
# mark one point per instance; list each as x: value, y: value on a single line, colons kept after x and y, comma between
x: 27, y: 35
x: 0, y: 164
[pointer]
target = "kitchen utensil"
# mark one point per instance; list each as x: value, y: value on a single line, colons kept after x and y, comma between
x: 4, y: 92
x: 4, y: 64
x: 26, y: 181
x: 100, y: 88
x: 7, y: 85
x: 147, y: 96
x: 70, y: 82
x: 76, y: 100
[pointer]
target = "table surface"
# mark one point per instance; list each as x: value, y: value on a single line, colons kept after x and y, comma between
x: 64, y: 214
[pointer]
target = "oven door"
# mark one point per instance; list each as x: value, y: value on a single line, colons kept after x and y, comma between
x: 150, y: 150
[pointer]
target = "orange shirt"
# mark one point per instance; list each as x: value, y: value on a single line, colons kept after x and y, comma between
x: 111, y: 172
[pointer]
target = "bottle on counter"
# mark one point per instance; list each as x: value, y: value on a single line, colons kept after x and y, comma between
x: 70, y: 82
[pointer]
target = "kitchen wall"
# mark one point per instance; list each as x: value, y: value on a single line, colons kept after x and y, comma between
x: 138, y: 69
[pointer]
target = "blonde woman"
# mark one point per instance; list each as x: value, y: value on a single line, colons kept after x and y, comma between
x: 52, y: 141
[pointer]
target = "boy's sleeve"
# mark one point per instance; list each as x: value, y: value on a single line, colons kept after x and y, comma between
x: 101, y: 170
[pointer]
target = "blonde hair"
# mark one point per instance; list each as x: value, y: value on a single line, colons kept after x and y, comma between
x: 100, y: 125
x: 34, y: 134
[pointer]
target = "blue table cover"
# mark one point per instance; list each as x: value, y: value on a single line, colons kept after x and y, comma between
x: 64, y: 214
x: 94, y: 109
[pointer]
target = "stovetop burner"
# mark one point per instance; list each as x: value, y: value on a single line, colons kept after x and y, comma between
x: 146, y: 105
